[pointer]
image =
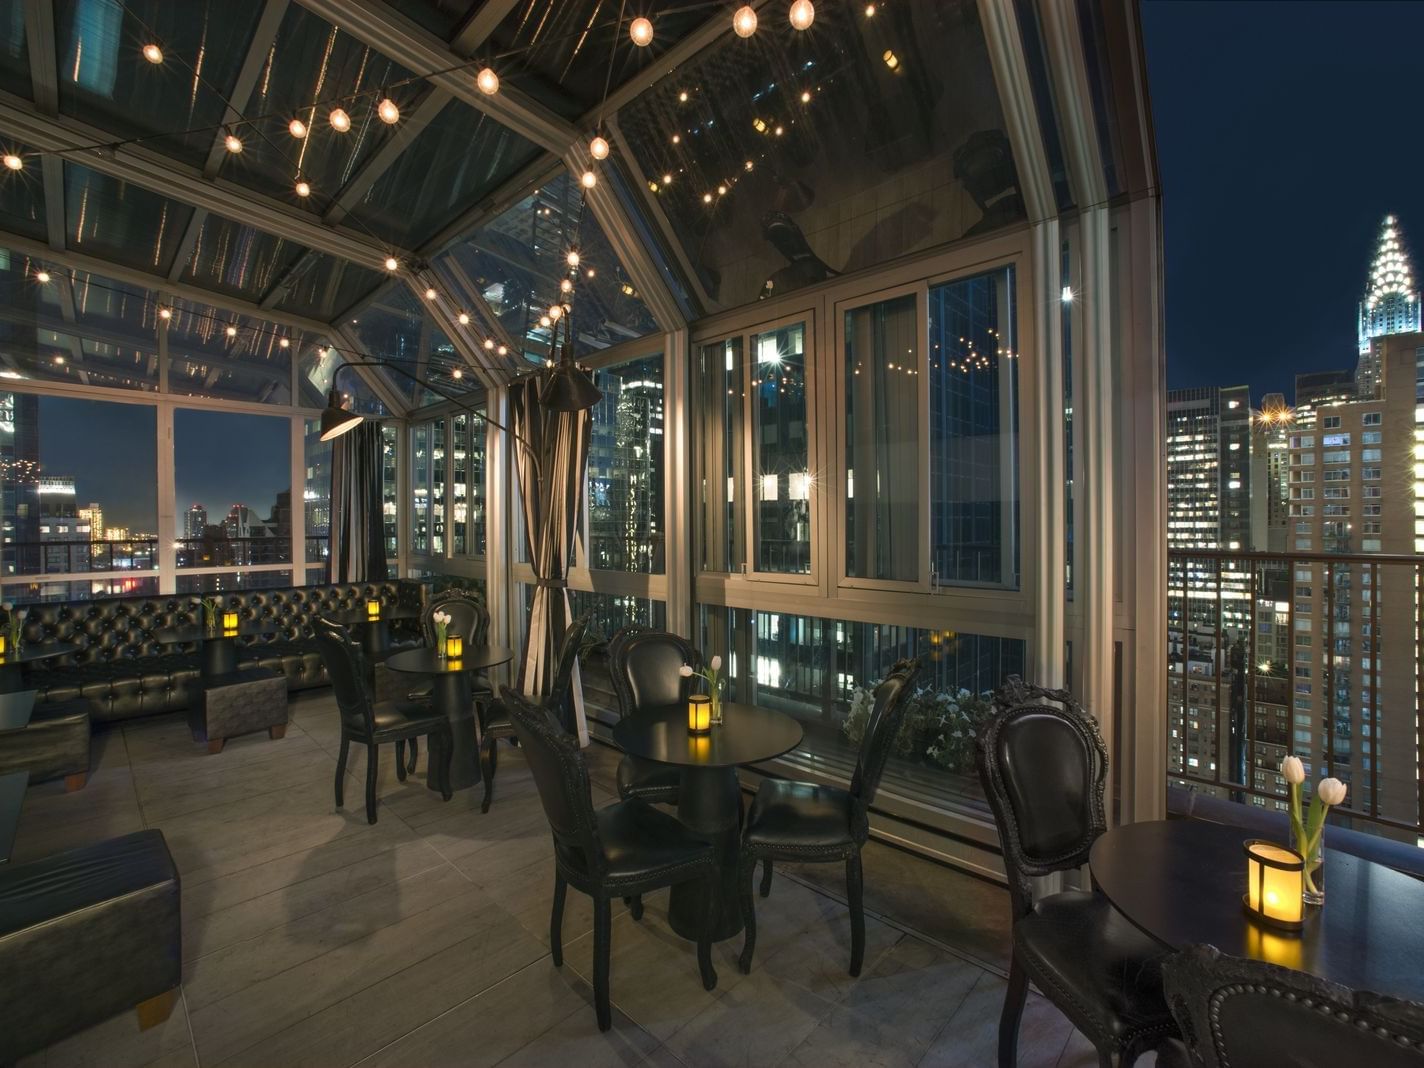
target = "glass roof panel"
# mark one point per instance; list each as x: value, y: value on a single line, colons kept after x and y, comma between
x: 325, y: 286
x: 398, y: 328
x: 519, y: 260
x: 237, y: 259
x: 14, y: 52
x: 123, y: 312
x: 104, y: 79
x: 440, y: 17
x: 313, y: 61
x: 108, y: 217
x: 794, y: 157
x: 319, y: 363
x: 22, y: 208
x: 460, y: 157
x: 214, y: 353
x: 561, y: 52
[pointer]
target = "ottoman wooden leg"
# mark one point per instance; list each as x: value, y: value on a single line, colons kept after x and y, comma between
x: 277, y: 732
x: 154, y: 1011
x: 215, y: 745
x: 75, y: 782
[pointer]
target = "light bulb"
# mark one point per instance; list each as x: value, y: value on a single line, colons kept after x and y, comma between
x: 641, y: 30
x: 707, y: 198
x: 152, y: 53
x: 598, y: 148
x: 232, y: 143
x: 165, y: 314
x: 806, y: 96
x: 555, y: 311
x: 803, y: 13
x: 748, y: 165
x: 297, y: 129
x: 566, y: 286
x: 284, y: 343
x: 392, y: 263
x: 682, y: 96
x: 340, y: 121
x: 488, y: 81
x: 589, y: 179
x: 232, y: 331
x: 457, y: 373
x: 430, y: 294
x: 303, y: 187
x: 489, y: 344
x: 544, y: 320
x: 464, y: 318
x: 721, y: 190
x: 503, y: 351
x: 573, y: 258
x: 13, y: 162
x: 388, y: 111
x: 744, y: 22
x: 42, y: 276
x: 590, y: 272
x: 667, y: 179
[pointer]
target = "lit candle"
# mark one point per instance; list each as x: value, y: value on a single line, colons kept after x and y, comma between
x: 1274, y: 876
x: 373, y: 609
x: 699, y: 713
x: 2, y: 645
x: 229, y: 621
x: 454, y: 646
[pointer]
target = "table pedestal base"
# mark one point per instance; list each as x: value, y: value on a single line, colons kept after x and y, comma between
x: 219, y: 657
x: 709, y: 804
x: 451, y: 693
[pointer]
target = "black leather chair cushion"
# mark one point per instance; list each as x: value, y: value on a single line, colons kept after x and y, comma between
x: 640, y: 841
x: 1086, y: 955
x: 804, y: 817
x: 403, y: 715
x: 647, y: 780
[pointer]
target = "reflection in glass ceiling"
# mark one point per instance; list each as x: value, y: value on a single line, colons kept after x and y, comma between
x: 237, y: 259
x: 323, y: 286
x: 14, y: 54
x: 785, y: 159
x: 22, y: 208
x: 397, y: 327
x: 110, y: 218
x: 213, y: 353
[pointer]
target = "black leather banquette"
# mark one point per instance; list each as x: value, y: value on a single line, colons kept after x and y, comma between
x: 122, y: 670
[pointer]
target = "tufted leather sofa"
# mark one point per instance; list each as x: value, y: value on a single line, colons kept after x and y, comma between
x: 122, y: 671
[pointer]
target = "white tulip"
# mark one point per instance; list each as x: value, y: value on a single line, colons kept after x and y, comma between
x: 1331, y: 791
x: 9, y: 606
x: 1292, y: 770
x: 716, y: 663
x: 685, y: 671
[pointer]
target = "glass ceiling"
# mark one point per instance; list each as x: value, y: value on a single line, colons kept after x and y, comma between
x: 14, y: 54
x: 237, y: 259
x: 399, y: 328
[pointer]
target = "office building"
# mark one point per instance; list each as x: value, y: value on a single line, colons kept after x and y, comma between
x: 1390, y: 304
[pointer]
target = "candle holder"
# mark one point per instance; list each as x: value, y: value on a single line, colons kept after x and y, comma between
x: 699, y: 714
x: 373, y: 610
x: 229, y: 621
x: 454, y: 646
x: 1274, y: 879
x: 4, y: 645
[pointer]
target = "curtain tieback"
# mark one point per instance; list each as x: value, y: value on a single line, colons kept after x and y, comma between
x: 552, y: 583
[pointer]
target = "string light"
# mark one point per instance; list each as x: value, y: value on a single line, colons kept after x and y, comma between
x: 598, y: 148
x: 232, y: 331
x: 803, y: 13
x: 805, y: 96
x: 284, y: 343
x: 572, y: 258
x: 869, y: 11
x: 457, y: 373
x: 42, y: 276
x: 641, y: 30
x: 297, y: 129
x: 464, y: 318
x: 340, y: 121
x: 303, y: 187
x: 503, y: 351
x: 488, y: 81
x: 13, y: 162
x: 555, y: 311
x: 153, y: 53
x: 388, y: 111
x: 165, y: 314
x: 566, y: 286
x: 707, y: 198
x: 392, y: 263
x: 744, y: 22
x: 232, y: 143
x: 590, y: 272
x: 544, y: 320
x: 589, y: 179
x: 489, y: 344
x: 430, y: 294
x: 667, y: 179
x: 721, y: 190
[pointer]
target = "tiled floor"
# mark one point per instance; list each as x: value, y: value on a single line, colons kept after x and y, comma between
x: 312, y: 938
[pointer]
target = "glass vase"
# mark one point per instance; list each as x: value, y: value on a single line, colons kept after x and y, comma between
x: 439, y: 643
x: 1313, y: 887
x: 714, y: 691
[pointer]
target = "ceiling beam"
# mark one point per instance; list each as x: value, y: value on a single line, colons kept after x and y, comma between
x: 461, y: 337
x: 258, y: 49
x: 44, y: 74
x: 169, y: 178
x: 349, y: 346
x: 500, y: 367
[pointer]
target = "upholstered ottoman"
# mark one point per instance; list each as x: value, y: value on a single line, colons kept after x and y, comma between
x: 54, y: 743
x: 254, y: 699
x: 87, y: 934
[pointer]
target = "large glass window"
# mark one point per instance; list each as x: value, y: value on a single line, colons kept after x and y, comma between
x: 718, y: 418
x: 316, y: 493
x: 883, y: 449
x: 781, y: 466
x: 420, y: 489
x: 468, y: 483
x: 232, y: 514
x: 625, y: 469
x: 390, y: 493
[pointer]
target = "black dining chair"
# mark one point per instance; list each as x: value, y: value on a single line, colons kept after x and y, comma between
x: 810, y: 822
x: 469, y: 618
x: 1043, y: 766
x: 645, y: 666
x: 1237, y: 1013
x: 625, y: 850
x: 494, y: 716
x: 369, y: 723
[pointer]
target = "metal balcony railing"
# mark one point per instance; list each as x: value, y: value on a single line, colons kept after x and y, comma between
x: 77, y: 556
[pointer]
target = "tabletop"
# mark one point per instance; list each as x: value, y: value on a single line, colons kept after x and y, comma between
x: 38, y: 651
x: 423, y: 661
x: 1182, y: 881
x: 746, y: 735
x: 12, y: 799
x: 350, y: 617
x: 196, y: 632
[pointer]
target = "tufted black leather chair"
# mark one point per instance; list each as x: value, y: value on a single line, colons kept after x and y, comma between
x: 494, y: 716
x: 1043, y: 766
x: 1236, y: 1013
x: 121, y: 670
x: 644, y: 665
x: 804, y: 821
x: 366, y: 722
x: 627, y: 849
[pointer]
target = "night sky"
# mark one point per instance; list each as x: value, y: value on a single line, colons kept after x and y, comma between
x: 1285, y: 133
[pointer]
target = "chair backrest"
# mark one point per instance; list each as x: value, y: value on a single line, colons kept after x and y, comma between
x: 891, y: 699
x: 645, y: 664
x: 1043, y: 766
x: 345, y: 663
x: 558, y: 696
x: 469, y: 618
x: 1236, y: 1013
x: 560, y: 775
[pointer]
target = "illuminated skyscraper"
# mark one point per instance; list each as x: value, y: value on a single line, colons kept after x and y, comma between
x: 1390, y: 304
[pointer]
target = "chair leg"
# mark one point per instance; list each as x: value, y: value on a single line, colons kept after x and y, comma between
x: 489, y: 760
x: 341, y: 771
x: 373, y: 760
x: 602, y: 946
x: 710, y: 909
x: 1014, y: 998
x: 854, y: 885
x: 400, y: 761
x: 155, y: 1010
x: 415, y: 756
x: 747, y: 876
x: 556, y: 921
x: 635, y: 905
x: 766, y: 877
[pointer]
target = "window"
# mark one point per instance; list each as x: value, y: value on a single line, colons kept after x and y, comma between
x: 781, y: 475
x: 1371, y: 418
x: 1371, y: 437
x: 718, y: 418
x: 467, y: 475
x: 1335, y: 440
x: 420, y: 436
x: 390, y: 502
x: 625, y: 469
x: 316, y: 494
x: 1331, y: 422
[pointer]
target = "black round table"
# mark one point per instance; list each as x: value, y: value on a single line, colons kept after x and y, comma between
x: 709, y: 799
x: 218, y: 645
x: 12, y: 664
x: 450, y: 689
x: 375, y: 633
x: 1182, y: 881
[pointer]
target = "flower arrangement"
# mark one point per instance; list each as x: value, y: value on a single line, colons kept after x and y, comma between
x: 1309, y: 828
x: 441, y: 622
x: 939, y: 726
x: 713, y: 677
x: 14, y: 625
x: 210, y: 613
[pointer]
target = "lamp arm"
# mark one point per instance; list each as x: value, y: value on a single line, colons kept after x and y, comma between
x: 528, y: 448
